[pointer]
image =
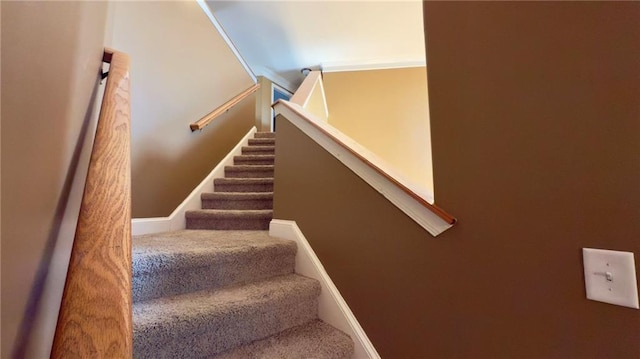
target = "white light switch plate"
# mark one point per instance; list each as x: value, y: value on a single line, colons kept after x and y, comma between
x: 610, y: 276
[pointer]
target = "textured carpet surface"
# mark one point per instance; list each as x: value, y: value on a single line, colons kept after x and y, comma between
x: 259, y: 150
x: 313, y: 340
x: 243, y: 185
x: 224, y: 288
x: 249, y: 171
x: 178, y: 262
x: 254, y: 159
x: 243, y: 200
x: 262, y: 142
x: 197, y: 324
x: 226, y: 219
x: 265, y: 135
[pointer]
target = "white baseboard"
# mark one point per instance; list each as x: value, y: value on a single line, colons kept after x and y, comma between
x: 176, y: 220
x: 332, y: 308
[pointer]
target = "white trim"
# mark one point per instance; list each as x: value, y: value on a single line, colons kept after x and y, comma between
x: 332, y: 308
x: 339, y: 67
x: 226, y: 38
x: 274, y: 87
x: 176, y: 220
x: 409, y: 205
x: 274, y: 77
x: 324, y: 97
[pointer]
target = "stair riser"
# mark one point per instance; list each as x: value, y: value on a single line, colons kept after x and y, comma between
x: 243, y: 187
x: 252, y: 161
x: 262, y: 142
x: 258, y: 150
x: 265, y: 135
x: 209, y: 334
x: 249, y: 174
x: 250, y: 266
x: 237, y: 204
x: 227, y: 224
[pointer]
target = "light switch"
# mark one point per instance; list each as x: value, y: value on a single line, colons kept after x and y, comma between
x: 610, y: 276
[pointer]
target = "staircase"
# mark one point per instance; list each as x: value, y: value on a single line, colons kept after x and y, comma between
x: 223, y: 288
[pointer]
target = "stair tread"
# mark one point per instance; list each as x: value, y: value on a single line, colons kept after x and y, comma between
x: 265, y: 134
x: 156, y: 312
x: 260, y: 147
x: 257, y: 156
x: 261, y: 141
x: 249, y: 167
x: 229, y: 213
x: 200, y: 246
x: 315, y: 339
x: 236, y: 195
x: 172, y: 263
x: 203, y: 323
x: 254, y: 159
x: 243, y: 180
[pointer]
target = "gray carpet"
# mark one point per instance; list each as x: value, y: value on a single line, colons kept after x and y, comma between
x: 244, y: 171
x: 254, y: 159
x: 243, y: 200
x: 229, y: 291
x: 243, y: 185
x: 173, y: 263
x: 309, y: 341
x: 198, y: 324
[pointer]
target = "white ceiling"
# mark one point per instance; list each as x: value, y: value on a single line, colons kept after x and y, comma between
x: 278, y: 38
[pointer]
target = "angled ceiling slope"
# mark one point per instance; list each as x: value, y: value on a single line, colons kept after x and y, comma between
x: 278, y: 38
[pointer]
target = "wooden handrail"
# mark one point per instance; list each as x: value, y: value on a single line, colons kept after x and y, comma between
x: 201, y: 123
x: 95, y: 319
x: 301, y: 98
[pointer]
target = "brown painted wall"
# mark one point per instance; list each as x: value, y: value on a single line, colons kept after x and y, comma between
x: 535, y: 118
x: 51, y: 54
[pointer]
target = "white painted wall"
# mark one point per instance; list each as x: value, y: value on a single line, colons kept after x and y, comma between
x: 285, y: 36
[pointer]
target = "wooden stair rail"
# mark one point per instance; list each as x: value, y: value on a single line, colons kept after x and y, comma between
x: 95, y: 319
x: 301, y: 98
x: 201, y: 123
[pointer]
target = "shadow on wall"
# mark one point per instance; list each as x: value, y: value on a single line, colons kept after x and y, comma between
x: 51, y: 53
x: 89, y: 124
x: 208, y: 147
x: 253, y: 47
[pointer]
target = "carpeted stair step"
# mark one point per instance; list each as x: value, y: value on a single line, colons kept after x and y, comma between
x: 265, y: 135
x: 243, y: 185
x: 172, y: 263
x: 262, y: 142
x: 235, y: 200
x: 254, y: 160
x: 255, y: 171
x: 258, y: 150
x: 202, y: 324
x: 316, y: 340
x: 229, y: 219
